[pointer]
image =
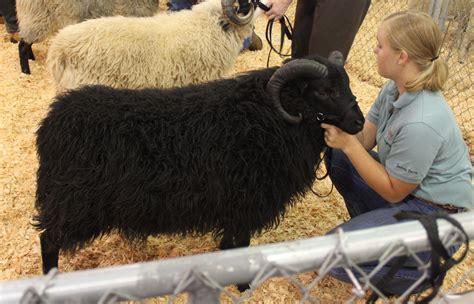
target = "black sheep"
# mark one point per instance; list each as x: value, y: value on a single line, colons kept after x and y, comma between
x: 225, y: 157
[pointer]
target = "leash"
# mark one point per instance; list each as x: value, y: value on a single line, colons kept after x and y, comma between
x: 286, y: 31
x: 327, y: 154
x: 441, y: 261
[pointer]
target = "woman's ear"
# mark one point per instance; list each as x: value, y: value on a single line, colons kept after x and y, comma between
x: 403, y: 57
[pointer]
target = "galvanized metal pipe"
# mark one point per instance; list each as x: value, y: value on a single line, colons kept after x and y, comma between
x: 236, y: 266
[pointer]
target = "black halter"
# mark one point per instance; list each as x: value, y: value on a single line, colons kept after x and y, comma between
x: 334, y: 119
x: 331, y: 119
x: 260, y: 5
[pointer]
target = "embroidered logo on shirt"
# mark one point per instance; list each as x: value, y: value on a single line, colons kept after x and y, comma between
x: 409, y: 171
x: 388, y: 139
x: 390, y: 135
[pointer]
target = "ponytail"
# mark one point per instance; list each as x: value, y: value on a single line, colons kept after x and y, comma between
x: 433, y: 77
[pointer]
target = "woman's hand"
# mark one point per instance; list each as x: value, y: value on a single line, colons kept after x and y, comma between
x: 338, y: 139
x: 277, y: 8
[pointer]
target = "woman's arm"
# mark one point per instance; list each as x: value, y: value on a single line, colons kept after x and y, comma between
x: 373, y: 173
x: 367, y: 136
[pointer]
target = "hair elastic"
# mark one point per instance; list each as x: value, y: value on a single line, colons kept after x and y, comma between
x: 434, y: 58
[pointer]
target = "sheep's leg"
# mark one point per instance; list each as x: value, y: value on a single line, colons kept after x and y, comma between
x: 230, y: 241
x: 234, y: 240
x: 227, y: 242
x: 31, y: 55
x: 49, y: 253
x: 242, y: 240
x: 25, y: 52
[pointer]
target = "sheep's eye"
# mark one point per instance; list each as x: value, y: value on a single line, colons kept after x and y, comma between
x: 320, y: 96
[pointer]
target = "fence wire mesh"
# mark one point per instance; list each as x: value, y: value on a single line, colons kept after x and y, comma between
x: 456, y: 19
x: 304, y: 264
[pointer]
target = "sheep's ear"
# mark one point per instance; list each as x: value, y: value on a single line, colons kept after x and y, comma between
x: 336, y: 57
x: 302, y: 86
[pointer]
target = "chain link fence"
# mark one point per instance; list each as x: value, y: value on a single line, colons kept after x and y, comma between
x: 456, y: 20
x: 202, y: 278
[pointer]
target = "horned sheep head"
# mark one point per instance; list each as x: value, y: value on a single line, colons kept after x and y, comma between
x: 232, y: 13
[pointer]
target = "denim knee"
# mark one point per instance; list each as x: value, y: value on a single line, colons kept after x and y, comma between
x: 335, y: 161
x: 399, y: 283
x: 336, y: 158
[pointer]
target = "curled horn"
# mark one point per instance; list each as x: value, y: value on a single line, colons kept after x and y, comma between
x: 336, y: 57
x: 294, y: 69
x: 230, y: 13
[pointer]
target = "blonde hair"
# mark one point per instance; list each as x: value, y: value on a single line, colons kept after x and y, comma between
x: 417, y: 34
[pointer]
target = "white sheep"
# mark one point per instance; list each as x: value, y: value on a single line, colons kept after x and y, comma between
x: 39, y: 19
x: 166, y: 50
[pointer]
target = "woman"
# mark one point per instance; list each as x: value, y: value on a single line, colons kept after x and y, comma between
x: 422, y: 162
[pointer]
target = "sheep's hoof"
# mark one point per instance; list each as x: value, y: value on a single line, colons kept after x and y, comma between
x: 243, y: 287
x: 256, y: 44
x: 25, y: 66
x: 224, y: 24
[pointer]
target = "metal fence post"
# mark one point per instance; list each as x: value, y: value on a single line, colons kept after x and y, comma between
x: 439, y: 11
x: 436, y: 6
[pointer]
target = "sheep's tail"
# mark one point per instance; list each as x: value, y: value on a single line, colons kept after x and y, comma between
x: 56, y: 67
x: 60, y: 69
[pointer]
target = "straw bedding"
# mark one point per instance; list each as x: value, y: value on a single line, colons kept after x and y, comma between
x: 24, y: 100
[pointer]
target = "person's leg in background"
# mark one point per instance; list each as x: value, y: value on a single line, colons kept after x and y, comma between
x: 8, y: 11
x: 335, y: 25
x: 304, y: 16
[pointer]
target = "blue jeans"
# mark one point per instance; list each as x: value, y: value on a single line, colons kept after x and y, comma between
x: 368, y: 209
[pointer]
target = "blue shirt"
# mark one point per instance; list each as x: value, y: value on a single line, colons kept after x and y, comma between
x: 419, y: 142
